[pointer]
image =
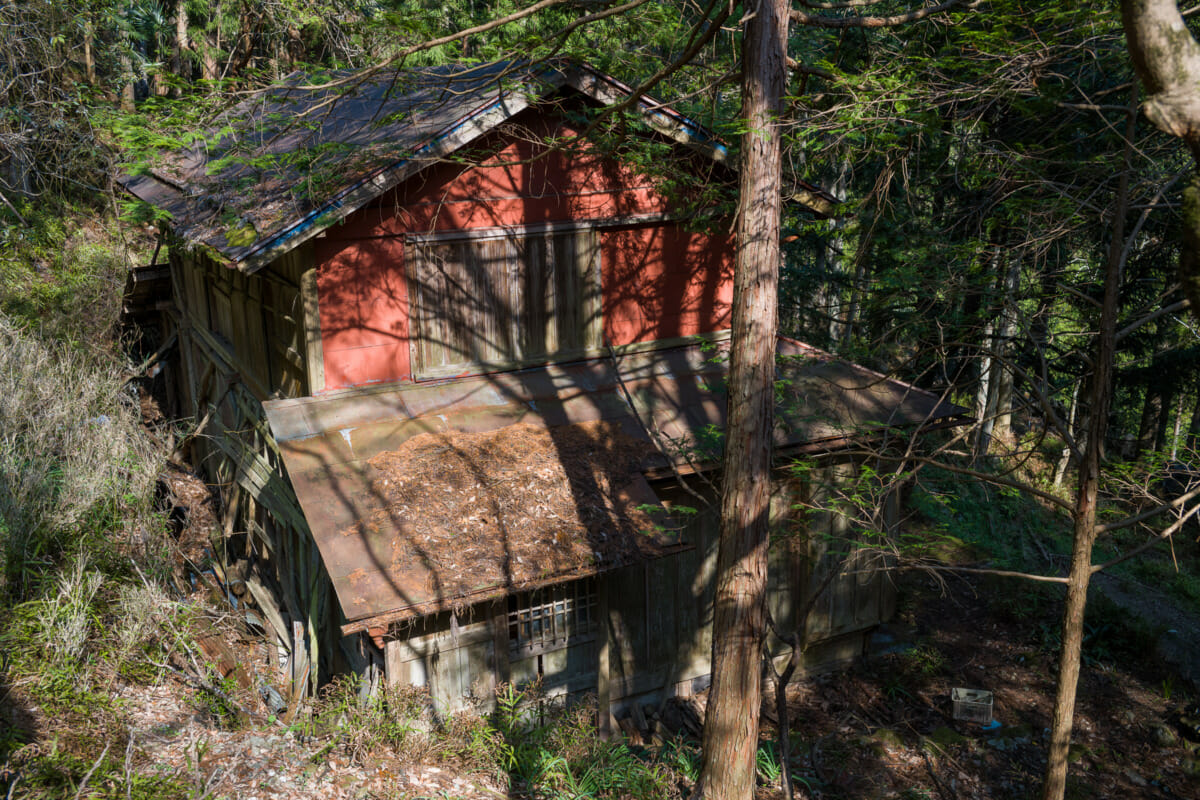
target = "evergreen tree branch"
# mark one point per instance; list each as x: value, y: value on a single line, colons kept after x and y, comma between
x: 826, y: 21
x: 399, y: 57
x: 1171, y: 309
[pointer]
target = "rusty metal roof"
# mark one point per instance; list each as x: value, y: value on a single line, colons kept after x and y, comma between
x: 285, y: 161
x: 674, y: 398
x: 296, y: 158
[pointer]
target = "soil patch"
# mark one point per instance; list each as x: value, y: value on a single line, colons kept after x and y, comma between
x: 885, y: 728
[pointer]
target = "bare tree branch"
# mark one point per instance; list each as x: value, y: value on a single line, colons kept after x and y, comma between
x: 982, y: 476
x: 796, y: 66
x: 838, y: 6
x: 1128, y: 522
x: 1171, y: 309
x: 1003, y: 573
x: 1166, y: 533
x: 826, y: 21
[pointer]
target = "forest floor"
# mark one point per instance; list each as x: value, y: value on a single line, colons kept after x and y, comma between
x: 882, y: 728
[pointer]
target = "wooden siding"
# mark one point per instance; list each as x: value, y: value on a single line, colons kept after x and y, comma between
x: 242, y: 340
x: 497, y: 302
x: 258, y: 320
x: 658, y: 281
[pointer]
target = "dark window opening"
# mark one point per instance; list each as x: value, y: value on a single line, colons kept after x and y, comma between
x: 552, y: 617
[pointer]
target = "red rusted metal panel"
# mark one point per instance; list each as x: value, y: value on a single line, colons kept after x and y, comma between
x: 659, y: 281
x: 380, y: 571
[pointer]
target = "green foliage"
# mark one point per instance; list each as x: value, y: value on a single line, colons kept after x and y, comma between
x: 65, y: 650
x: 76, y: 505
x: 770, y: 770
x: 557, y: 752
x: 60, y: 773
x: 61, y: 272
x: 958, y: 515
x: 359, y: 723
x: 924, y: 660
x: 1110, y: 635
x: 1183, y: 584
x: 683, y: 758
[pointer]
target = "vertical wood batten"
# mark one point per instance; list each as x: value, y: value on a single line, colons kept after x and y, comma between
x: 313, y: 347
x: 604, y: 694
x: 503, y: 301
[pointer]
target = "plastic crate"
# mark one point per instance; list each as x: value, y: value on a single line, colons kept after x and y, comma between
x: 972, y: 705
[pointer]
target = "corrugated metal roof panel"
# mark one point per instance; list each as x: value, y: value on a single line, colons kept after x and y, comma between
x: 294, y: 158
x: 678, y: 393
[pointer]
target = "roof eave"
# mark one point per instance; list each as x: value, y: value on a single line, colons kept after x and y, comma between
x: 355, y: 197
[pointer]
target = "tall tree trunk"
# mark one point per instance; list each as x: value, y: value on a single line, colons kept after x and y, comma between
x: 834, y: 250
x: 1002, y: 429
x: 1167, y: 59
x: 128, y: 90
x: 89, y: 55
x: 182, y: 65
x: 739, y: 615
x: 1064, y: 458
x: 983, y: 393
x: 1178, y: 426
x: 1084, y: 532
x: 1164, y: 417
x: 862, y: 255
x: 985, y: 390
x: 1193, y: 438
x: 1151, y: 407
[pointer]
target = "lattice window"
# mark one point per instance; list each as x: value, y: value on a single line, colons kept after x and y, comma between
x: 552, y: 617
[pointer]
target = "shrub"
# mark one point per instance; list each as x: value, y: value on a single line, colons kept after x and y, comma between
x: 75, y: 470
x: 556, y: 751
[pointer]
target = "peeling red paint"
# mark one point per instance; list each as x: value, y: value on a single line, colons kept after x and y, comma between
x: 658, y: 281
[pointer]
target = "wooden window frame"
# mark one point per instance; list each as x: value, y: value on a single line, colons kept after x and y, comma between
x: 589, y: 299
x: 553, y: 617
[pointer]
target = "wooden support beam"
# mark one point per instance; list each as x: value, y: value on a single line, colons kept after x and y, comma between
x: 314, y: 350
x: 603, y: 672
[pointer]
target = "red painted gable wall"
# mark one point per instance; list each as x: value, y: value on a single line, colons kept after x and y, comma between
x: 658, y: 280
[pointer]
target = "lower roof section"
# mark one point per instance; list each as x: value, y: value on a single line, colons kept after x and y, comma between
x: 433, y: 496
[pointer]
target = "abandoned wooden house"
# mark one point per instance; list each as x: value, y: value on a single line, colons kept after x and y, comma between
x: 458, y: 375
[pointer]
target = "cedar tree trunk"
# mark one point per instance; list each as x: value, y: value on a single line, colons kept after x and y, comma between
x: 1084, y: 514
x: 1167, y: 59
x: 739, y: 613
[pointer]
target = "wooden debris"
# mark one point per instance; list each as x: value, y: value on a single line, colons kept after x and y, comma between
x: 631, y: 731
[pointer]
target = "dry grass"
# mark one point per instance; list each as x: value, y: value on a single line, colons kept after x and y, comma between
x: 73, y: 460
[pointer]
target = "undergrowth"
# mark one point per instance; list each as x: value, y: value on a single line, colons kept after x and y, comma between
x: 81, y: 548
x: 535, y: 745
x: 76, y: 473
x: 1003, y: 528
x: 62, y: 271
x: 1006, y: 527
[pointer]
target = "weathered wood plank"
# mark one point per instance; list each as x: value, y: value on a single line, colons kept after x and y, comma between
x: 604, y: 694
x: 503, y: 301
x: 313, y: 347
